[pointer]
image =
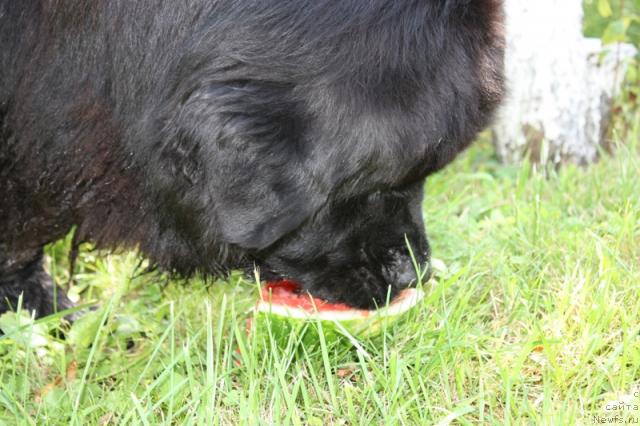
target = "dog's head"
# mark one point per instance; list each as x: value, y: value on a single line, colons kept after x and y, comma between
x: 358, y: 251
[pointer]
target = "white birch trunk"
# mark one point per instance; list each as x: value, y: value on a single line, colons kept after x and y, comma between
x: 559, y: 87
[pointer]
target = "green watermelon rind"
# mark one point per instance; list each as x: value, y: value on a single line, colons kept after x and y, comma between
x: 284, y: 320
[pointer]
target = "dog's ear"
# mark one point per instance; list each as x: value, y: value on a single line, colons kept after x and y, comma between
x: 237, y: 150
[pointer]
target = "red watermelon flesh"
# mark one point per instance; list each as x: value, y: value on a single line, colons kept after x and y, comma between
x: 292, y: 295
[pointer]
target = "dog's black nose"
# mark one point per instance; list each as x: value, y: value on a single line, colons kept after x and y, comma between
x: 401, y: 273
x: 405, y: 276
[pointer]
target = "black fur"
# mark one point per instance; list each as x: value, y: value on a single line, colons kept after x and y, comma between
x: 213, y: 135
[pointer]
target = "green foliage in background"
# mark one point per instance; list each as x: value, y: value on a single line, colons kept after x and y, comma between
x: 613, y: 20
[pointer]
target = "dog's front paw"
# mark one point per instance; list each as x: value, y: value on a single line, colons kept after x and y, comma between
x: 35, y: 290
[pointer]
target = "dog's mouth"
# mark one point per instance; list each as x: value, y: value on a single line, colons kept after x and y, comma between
x: 350, y: 288
x: 286, y: 288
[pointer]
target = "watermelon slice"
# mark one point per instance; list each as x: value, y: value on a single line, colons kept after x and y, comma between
x: 287, y: 308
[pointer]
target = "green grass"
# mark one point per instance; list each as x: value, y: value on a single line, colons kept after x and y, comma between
x: 537, y: 320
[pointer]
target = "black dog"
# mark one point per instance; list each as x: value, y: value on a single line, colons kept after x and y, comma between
x: 213, y: 135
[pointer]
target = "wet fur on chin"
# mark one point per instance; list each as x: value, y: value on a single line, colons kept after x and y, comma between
x: 218, y: 135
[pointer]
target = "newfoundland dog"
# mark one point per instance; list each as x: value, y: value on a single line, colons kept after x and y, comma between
x: 220, y: 134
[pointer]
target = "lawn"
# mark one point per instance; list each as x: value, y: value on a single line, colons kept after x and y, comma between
x: 535, y: 320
